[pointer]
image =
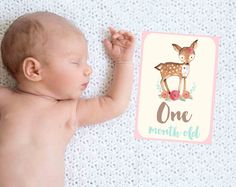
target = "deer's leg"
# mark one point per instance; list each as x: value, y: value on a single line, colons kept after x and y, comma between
x: 180, y: 83
x: 184, y: 84
x: 162, y: 84
x: 168, y: 90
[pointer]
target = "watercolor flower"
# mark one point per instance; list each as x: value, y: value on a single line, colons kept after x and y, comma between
x: 186, y: 94
x: 174, y: 95
x: 164, y: 94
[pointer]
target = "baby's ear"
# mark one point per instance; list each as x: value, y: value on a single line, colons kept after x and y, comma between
x: 31, y: 69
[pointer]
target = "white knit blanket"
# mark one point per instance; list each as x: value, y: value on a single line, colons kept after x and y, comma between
x: 107, y: 154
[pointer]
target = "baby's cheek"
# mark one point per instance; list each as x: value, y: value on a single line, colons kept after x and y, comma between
x: 67, y: 75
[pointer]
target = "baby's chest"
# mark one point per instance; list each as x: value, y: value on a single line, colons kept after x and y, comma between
x: 57, y: 130
x: 48, y: 126
x: 58, y: 126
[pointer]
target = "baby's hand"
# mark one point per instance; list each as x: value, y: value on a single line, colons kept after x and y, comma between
x: 121, y: 46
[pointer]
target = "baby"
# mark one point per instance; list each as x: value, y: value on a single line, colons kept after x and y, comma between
x: 47, y: 56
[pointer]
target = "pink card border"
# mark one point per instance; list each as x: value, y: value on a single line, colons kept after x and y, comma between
x: 209, y: 138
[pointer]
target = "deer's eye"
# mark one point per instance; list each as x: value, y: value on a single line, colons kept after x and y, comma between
x: 191, y: 57
x: 181, y: 57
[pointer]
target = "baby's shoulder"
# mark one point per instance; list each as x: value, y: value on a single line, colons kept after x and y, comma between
x: 4, y: 92
x: 5, y: 95
x: 4, y: 88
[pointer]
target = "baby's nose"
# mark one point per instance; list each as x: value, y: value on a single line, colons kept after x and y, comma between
x: 88, y: 71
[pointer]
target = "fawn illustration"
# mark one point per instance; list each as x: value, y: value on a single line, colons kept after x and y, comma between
x: 169, y: 69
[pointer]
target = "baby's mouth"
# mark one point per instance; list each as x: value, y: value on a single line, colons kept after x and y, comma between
x: 85, y: 85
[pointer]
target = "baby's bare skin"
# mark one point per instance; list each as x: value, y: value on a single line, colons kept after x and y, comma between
x: 38, y: 119
x: 33, y: 137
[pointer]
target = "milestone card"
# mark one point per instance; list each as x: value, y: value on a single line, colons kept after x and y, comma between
x: 177, y: 87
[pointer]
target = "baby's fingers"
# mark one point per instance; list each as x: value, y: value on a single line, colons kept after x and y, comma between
x: 125, y: 35
x: 129, y: 36
x: 117, y: 36
x: 108, y: 45
x: 112, y: 30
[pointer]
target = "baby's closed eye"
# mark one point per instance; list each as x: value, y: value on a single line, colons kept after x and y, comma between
x: 75, y: 63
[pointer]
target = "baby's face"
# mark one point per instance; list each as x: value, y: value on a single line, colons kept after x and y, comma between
x: 67, y: 73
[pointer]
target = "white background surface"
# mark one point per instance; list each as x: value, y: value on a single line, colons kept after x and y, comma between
x: 107, y: 154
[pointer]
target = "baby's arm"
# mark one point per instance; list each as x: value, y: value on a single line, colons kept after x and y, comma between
x: 100, y: 109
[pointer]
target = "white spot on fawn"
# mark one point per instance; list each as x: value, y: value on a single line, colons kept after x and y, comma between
x: 185, y: 70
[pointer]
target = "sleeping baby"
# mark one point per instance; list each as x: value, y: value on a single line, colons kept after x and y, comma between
x: 47, y: 56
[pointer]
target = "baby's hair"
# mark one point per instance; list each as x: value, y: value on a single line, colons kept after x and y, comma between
x: 27, y: 37
x: 21, y: 40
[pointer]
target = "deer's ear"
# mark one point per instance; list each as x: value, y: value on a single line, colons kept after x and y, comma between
x: 194, y: 44
x: 176, y: 47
